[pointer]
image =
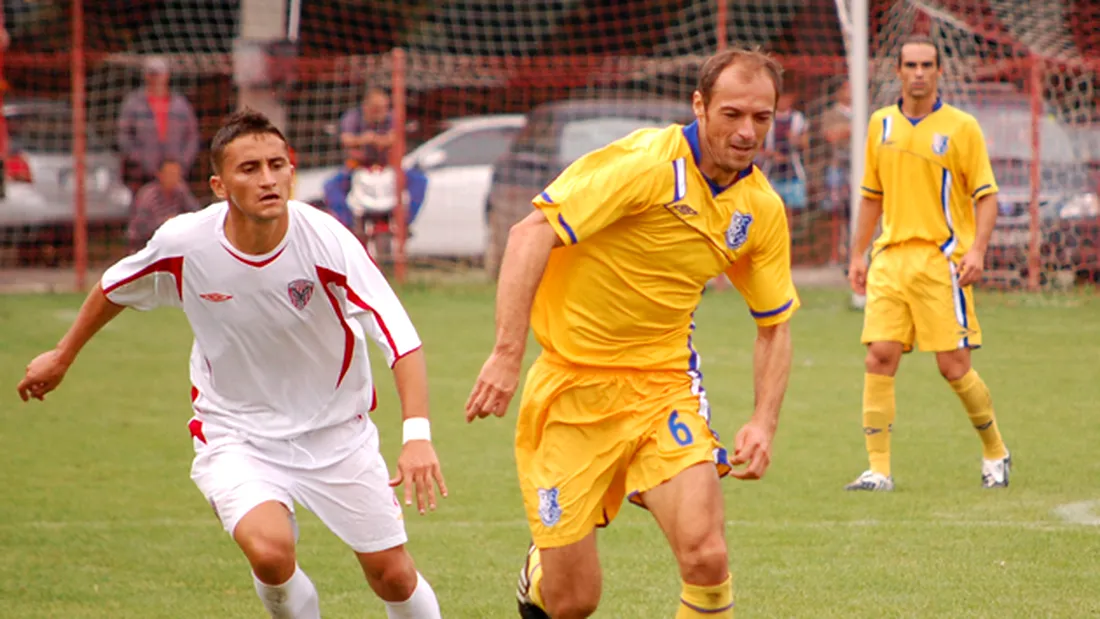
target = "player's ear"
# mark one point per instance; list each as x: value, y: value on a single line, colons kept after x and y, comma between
x: 697, y: 105
x: 218, y: 187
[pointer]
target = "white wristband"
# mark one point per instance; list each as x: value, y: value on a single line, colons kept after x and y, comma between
x: 417, y: 429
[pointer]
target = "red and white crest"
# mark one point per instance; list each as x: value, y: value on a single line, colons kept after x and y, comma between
x: 300, y: 292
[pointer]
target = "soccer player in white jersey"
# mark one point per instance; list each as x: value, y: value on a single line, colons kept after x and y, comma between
x: 281, y: 299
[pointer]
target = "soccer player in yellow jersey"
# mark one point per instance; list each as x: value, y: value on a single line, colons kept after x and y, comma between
x: 927, y: 175
x: 608, y: 270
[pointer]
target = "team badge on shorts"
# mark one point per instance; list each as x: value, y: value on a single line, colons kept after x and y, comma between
x: 738, y: 232
x: 300, y: 292
x: 939, y: 143
x: 549, y: 510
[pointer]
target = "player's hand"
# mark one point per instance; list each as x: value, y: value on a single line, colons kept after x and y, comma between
x: 418, y: 467
x: 752, y: 446
x: 857, y: 274
x: 495, y: 386
x: 44, y: 374
x: 970, y: 268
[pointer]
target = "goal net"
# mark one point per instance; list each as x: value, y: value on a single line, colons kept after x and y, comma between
x: 494, y: 98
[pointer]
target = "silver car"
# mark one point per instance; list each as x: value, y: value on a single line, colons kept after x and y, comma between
x: 39, y: 183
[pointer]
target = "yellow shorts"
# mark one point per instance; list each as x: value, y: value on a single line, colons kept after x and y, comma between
x: 913, y: 293
x: 586, y: 438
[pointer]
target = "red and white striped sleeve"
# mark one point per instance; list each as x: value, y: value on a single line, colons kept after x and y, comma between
x: 370, y: 299
x: 150, y: 278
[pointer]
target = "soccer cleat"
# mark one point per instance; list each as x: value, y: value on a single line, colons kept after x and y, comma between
x: 995, y: 472
x: 873, y: 482
x: 527, y: 607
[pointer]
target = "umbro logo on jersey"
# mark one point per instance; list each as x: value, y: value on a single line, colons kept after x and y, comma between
x: 685, y: 209
x: 300, y: 292
x: 215, y: 297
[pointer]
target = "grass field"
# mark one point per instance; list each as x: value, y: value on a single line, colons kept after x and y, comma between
x: 98, y: 517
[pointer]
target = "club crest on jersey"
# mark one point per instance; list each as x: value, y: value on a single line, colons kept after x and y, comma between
x: 549, y: 510
x: 300, y: 292
x: 738, y: 232
x: 939, y: 143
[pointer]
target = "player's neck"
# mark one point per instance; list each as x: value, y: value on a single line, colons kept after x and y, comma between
x: 717, y: 175
x: 918, y: 108
x: 255, y: 237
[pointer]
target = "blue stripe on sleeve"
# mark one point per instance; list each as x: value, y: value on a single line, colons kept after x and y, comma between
x: 568, y: 229
x: 980, y: 189
x: 545, y: 196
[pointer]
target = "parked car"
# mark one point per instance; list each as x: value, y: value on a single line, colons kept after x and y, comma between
x: 556, y: 135
x: 458, y: 163
x: 1069, y: 208
x: 38, y: 201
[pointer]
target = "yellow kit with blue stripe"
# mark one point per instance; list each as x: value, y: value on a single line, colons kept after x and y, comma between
x: 927, y: 172
x: 615, y: 405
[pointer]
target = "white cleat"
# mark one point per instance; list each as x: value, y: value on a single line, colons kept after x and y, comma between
x: 872, y: 482
x: 995, y: 472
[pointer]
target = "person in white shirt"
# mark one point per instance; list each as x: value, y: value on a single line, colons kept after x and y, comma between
x: 281, y: 298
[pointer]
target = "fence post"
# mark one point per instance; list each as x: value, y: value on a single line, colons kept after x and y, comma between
x: 80, y: 222
x: 397, y: 153
x: 1035, y: 236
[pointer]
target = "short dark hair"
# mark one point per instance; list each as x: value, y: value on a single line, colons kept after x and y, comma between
x: 919, y: 39
x: 243, y: 122
x: 752, y: 59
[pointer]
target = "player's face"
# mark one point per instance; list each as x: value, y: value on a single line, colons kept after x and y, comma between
x: 918, y: 71
x: 740, y: 114
x: 255, y: 176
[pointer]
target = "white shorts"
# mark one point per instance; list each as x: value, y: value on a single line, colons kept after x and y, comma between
x: 349, y: 493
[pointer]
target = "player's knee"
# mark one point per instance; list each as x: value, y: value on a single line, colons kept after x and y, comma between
x: 391, y: 573
x: 953, y: 366
x: 882, y: 358
x: 572, y: 593
x: 704, y: 560
x: 272, y: 557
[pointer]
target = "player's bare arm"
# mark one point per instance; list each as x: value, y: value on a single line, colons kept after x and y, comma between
x: 771, y: 369
x: 417, y: 466
x: 525, y: 256
x: 972, y: 264
x: 46, y: 371
x: 869, y: 213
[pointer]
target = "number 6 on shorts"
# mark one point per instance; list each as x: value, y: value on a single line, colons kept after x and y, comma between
x: 680, y: 432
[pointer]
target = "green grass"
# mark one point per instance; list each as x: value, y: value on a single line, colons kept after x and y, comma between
x: 100, y: 519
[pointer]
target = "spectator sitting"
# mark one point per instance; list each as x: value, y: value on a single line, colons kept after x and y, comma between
x: 366, y: 135
x: 156, y: 125
x: 157, y: 202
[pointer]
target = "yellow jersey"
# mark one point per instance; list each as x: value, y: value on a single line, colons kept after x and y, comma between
x: 928, y: 172
x: 644, y: 231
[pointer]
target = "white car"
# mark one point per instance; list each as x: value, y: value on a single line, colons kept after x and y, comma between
x: 459, y: 166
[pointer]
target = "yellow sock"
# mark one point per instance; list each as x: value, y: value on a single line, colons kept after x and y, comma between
x: 534, y: 578
x: 699, y: 602
x: 878, y: 419
x: 975, y: 397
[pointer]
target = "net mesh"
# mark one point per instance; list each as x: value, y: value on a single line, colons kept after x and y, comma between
x: 481, y: 78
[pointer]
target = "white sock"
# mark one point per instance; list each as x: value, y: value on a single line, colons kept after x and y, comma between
x: 420, y: 605
x: 294, y: 599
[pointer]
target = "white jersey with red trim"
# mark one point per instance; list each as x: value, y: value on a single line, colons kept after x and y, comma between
x: 280, y: 339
